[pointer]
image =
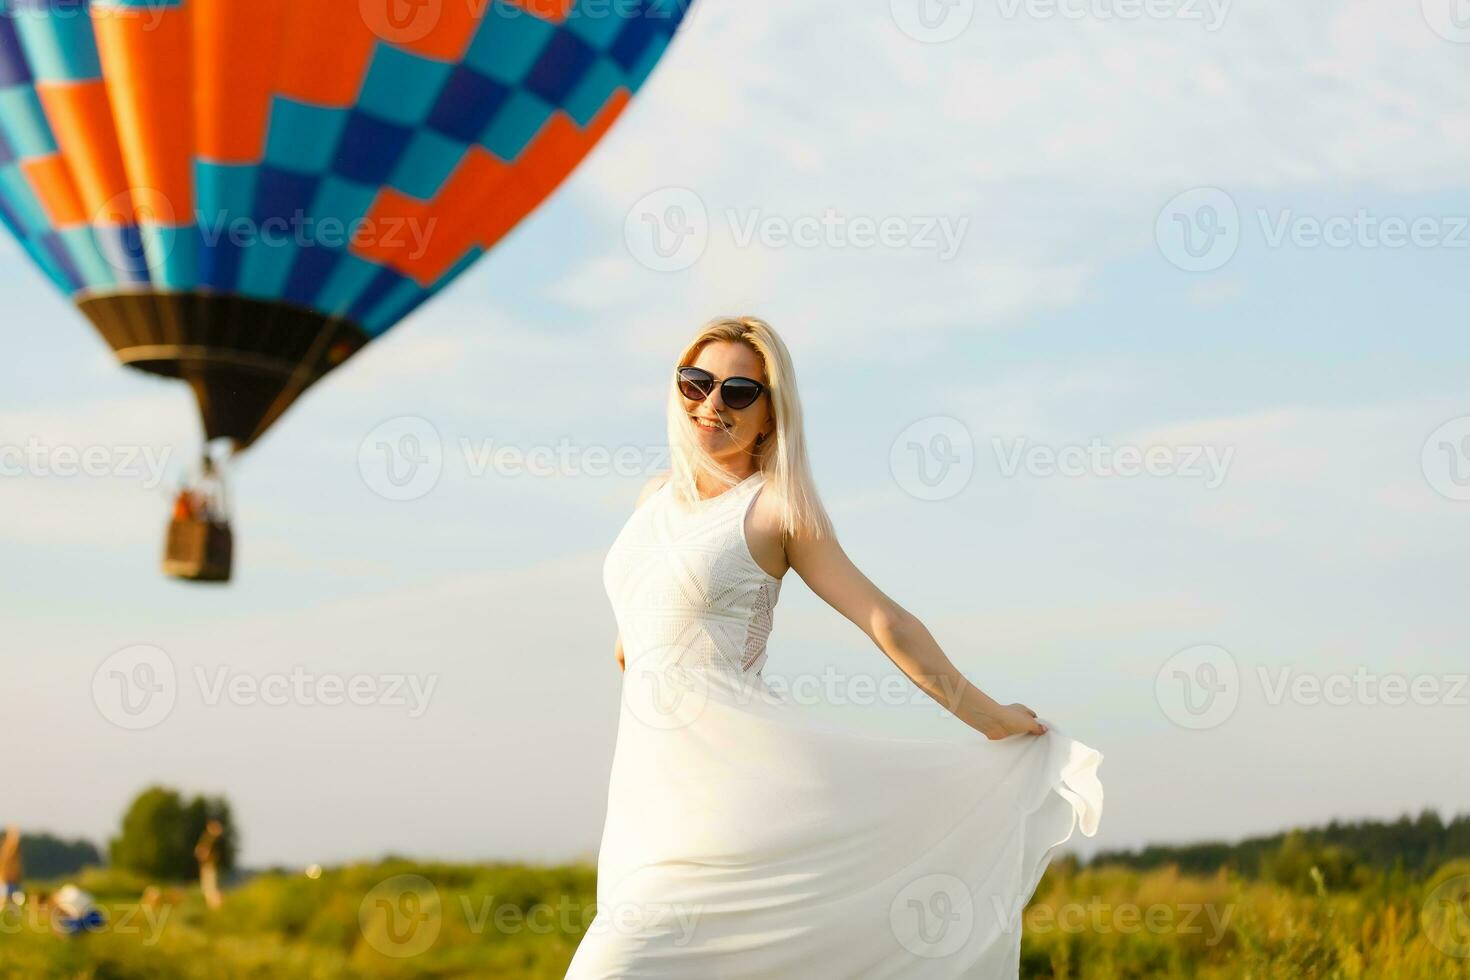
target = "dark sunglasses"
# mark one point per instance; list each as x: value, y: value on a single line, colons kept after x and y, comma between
x: 696, y: 384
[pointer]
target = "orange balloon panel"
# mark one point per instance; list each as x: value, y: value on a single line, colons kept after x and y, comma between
x: 223, y: 185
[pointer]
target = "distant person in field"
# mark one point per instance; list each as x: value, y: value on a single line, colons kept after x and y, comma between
x: 206, y: 852
x: 11, y: 868
x: 73, y: 911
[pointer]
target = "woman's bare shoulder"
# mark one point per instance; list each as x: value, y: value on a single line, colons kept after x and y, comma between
x: 650, y: 488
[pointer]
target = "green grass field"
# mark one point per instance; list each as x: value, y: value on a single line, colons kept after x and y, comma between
x: 504, y: 921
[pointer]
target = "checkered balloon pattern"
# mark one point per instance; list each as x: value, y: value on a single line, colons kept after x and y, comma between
x: 343, y: 159
x: 133, y: 133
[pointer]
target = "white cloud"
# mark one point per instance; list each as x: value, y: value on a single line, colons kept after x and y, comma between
x: 1058, y: 138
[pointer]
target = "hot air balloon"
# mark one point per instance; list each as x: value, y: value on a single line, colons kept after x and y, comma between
x: 241, y: 194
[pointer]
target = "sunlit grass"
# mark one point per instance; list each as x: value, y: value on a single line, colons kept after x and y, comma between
x: 504, y: 921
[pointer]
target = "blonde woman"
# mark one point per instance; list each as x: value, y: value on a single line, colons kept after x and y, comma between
x: 746, y: 837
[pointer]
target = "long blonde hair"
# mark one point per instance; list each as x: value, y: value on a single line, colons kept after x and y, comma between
x: 781, y: 457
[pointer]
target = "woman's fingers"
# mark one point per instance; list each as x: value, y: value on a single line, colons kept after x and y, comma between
x: 1037, y: 726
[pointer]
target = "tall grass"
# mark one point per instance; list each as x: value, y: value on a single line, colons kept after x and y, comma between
x: 510, y: 921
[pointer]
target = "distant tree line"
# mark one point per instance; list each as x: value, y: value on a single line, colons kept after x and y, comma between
x: 1343, y: 852
x: 160, y: 829
x: 47, y: 856
x: 156, y: 840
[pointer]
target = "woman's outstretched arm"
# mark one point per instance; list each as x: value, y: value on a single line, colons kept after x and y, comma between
x: 826, y: 569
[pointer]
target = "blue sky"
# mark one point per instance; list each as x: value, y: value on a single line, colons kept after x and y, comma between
x: 1332, y: 544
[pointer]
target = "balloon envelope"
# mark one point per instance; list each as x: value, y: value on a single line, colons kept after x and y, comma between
x: 243, y: 193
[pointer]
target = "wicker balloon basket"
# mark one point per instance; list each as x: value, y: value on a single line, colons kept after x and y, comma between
x: 199, y: 551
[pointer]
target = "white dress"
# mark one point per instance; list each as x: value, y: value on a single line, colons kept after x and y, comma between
x: 748, y: 838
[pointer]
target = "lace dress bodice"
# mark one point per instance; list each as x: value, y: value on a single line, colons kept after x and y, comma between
x: 684, y: 585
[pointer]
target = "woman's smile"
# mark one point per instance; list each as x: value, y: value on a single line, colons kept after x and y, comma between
x: 709, y: 425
